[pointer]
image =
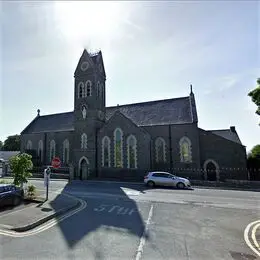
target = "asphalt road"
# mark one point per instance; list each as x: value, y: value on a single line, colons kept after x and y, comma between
x: 129, y: 221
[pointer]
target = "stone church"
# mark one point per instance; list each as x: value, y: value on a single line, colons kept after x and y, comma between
x: 127, y: 141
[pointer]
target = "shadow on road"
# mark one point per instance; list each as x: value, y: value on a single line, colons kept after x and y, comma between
x: 102, y: 213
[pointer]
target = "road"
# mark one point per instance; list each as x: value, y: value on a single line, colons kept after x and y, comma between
x: 129, y: 221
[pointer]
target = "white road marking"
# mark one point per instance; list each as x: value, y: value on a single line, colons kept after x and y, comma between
x: 246, y: 238
x: 254, y: 236
x: 48, y: 225
x: 143, y: 238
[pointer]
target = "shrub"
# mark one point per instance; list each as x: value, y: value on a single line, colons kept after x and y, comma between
x: 31, y: 191
x: 20, y: 165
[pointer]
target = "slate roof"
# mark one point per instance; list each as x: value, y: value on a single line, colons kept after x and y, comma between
x: 227, y: 134
x: 51, y: 123
x: 160, y: 112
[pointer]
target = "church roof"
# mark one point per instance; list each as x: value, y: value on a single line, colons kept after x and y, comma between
x: 227, y: 134
x: 51, y: 123
x: 160, y: 112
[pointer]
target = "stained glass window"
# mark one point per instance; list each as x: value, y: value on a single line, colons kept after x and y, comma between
x: 118, y: 149
x: 160, y: 150
x: 132, y: 152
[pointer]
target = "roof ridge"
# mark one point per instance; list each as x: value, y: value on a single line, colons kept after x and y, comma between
x: 147, y: 102
x: 228, y: 129
x: 56, y: 114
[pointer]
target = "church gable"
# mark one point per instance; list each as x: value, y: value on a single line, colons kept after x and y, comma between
x: 121, y: 121
x: 85, y: 64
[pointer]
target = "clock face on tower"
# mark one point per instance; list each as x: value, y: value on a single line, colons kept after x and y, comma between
x: 84, y: 65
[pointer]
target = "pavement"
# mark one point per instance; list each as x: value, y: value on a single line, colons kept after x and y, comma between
x: 26, y: 217
x: 130, y: 221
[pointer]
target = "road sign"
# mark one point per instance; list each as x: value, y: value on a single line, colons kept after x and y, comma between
x: 55, y: 163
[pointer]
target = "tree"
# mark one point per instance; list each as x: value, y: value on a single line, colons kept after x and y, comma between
x: 255, y: 96
x: 20, y: 166
x: 255, y: 152
x: 12, y: 143
x: 253, y: 162
x: 1, y: 145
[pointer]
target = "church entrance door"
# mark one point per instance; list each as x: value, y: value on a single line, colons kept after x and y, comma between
x: 83, y: 169
x: 211, y: 171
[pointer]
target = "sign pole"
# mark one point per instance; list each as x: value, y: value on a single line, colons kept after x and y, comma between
x: 47, y: 190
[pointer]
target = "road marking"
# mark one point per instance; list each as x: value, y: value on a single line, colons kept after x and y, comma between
x: 49, y: 224
x: 118, y: 210
x: 246, y: 238
x: 143, y: 238
x: 254, y: 236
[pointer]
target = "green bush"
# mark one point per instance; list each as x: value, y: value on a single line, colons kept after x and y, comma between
x: 31, y: 191
x: 21, y: 165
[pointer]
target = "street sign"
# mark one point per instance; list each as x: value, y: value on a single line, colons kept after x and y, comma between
x: 56, y: 162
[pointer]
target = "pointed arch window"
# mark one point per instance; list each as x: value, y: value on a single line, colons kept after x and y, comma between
x: 160, y: 150
x: 131, y: 152
x: 106, y: 158
x: 29, y: 145
x: 185, y: 150
x: 40, y: 150
x: 118, y: 148
x: 66, y: 147
x: 88, y: 89
x: 80, y: 90
x: 52, y: 149
x: 84, y: 141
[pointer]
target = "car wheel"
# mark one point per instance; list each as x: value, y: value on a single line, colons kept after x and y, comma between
x: 180, y: 185
x: 16, y: 201
x: 150, y: 184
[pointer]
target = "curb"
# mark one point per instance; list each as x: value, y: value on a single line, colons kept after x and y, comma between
x: 225, y: 188
x: 43, y: 220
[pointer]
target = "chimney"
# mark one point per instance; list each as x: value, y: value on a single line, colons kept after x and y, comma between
x: 38, y: 112
x: 232, y: 129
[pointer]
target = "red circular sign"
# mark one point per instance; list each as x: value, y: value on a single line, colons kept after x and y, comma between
x: 55, y: 163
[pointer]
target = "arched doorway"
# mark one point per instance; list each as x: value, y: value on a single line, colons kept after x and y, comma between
x: 211, y: 170
x: 83, y: 168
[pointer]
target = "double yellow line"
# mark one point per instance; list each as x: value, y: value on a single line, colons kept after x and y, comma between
x: 253, y: 244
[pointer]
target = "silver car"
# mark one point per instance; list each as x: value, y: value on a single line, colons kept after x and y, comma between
x: 166, y: 179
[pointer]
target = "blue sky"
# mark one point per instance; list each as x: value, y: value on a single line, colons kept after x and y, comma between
x: 151, y: 50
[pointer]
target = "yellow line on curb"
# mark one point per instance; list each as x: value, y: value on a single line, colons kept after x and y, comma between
x: 247, y: 229
x: 254, y: 235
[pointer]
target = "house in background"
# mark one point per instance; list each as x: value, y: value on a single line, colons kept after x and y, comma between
x: 4, y: 161
x: 126, y: 141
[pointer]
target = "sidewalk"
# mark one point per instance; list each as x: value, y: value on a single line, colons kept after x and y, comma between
x: 31, y: 217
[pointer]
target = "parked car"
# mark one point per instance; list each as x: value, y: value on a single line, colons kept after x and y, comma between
x: 10, y: 195
x: 166, y: 179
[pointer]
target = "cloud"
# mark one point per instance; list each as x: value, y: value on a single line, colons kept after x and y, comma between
x: 227, y: 82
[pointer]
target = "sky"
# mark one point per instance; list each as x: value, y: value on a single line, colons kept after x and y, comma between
x: 151, y: 51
